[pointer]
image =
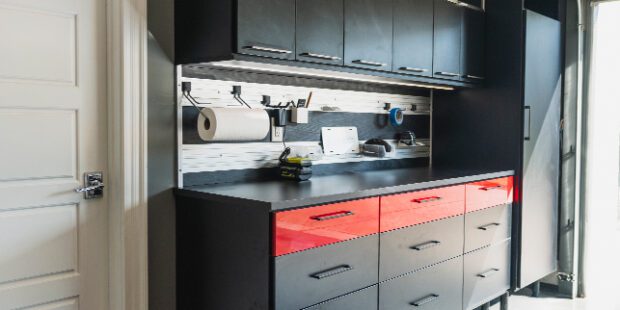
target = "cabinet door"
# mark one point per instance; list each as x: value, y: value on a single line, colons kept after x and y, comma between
x: 320, y: 31
x: 266, y: 28
x: 368, y: 34
x: 447, y: 49
x: 413, y: 37
x: 472, y: 51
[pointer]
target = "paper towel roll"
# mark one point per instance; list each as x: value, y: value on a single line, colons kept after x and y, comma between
x: 224, y: 124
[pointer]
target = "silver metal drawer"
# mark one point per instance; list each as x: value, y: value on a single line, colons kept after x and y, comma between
x: 365, y: 299
x: 487, y: 226
x: 412, y: 248
x: 310, y: 277
x: 439, y: 287
x: 487, y: 274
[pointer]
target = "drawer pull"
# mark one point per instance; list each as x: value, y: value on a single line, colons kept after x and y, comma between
x: 426, y: 199
x: 488, y: 274
x: 320, y: 56
x: 369, y: 63
x: 267, y: 49
x: 489, y: 226
x: 418, y: 70
x: 426, y: 300
x: 332, y: 216
x: 490, y: 188
x: 475, y: 77
x: 450, y: 74
x: 426, y: 245
x: 331, y: 272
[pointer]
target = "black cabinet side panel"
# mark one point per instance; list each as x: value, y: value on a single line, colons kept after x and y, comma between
x: 223, y: 256
x: 204, y: 30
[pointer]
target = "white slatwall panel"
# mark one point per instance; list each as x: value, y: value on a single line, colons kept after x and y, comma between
x: 226, y: 156
x: 218, y: 94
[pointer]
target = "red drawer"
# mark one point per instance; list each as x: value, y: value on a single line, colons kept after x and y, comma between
x: 489, y: 193
x: 402, y: 210
x: 307, y: 228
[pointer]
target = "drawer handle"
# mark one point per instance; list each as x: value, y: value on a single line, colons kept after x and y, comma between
x: 489, y: 226
x: 320, y: 56
x: 448, y: 74
x: 475, y: 77
x: 488, y: 274
x: 369, y: 63
x: 426, y: 300
x: 267, y: 49
x: 331, y: 272
x: 426, y: 245
x: 426, y: 199
x: 332, y: 216
x: 490, y: 188
x: 418, y: 70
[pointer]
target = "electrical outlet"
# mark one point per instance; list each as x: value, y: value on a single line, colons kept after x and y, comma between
x: 277, y: 134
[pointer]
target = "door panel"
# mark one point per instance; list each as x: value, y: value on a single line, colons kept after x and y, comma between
x: 543, y: 91
x: 413, y: 37
x: 53, y: 129
x: 266, y: 28
x: 447, y: 46
x: 368, y: 34
x: 472, y: 47
x: 320, y: 31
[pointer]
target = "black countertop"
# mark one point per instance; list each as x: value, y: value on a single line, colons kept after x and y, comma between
x: 281, y: 194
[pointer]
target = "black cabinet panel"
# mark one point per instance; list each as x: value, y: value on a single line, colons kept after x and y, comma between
x: 413, y: 37
x: 447, y: 46
x: 320, y: 31
x: 472, y: 51
x: 266, y: 28
x: 476, y: 3
x: 368, y: 34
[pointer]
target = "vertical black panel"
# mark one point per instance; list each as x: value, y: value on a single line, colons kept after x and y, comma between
x: 266, y: 28
x: 320, y: 31
x: 447, y: 46
x: 413, y: 37
x: 368, y: 34
x: 223, y: 255
x: 472, y: 47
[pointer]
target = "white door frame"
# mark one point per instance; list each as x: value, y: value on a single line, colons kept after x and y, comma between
x: 127, y: 153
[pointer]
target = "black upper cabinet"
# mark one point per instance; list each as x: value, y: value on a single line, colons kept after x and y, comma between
x: 413, y: 37
x: 320, y: 31
x: 266, y: 28
x: 368, y: 34
x: 472, y: 52
x: 476, y: 3
x: 447, y: 46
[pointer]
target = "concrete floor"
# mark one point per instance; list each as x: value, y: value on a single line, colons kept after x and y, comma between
x: 545, y: 303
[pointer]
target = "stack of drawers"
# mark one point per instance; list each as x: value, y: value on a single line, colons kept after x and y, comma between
x: 444, y: 248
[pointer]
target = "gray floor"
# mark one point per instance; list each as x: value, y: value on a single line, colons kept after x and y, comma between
x: 528, y: 303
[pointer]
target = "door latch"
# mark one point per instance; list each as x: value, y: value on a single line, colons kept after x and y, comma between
x: 93, y: 185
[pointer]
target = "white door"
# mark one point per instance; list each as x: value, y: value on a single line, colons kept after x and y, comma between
x: 53, y: 243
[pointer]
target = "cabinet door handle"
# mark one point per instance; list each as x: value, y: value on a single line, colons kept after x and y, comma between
x: 332, y: 216
x: 490, y: 188
x: 418, y: 70
x: 528, y: 120
x: 426, y: 199
x: 425, y: 300
x: 331, y: 272
x: 488, y: 274
x: 268, y: 49
x: 370, y: 63
x: 320, y: 56
x: 474, y: 77
x: 448, y: 74
x: 426, y: 245
x: 489, y: 226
